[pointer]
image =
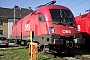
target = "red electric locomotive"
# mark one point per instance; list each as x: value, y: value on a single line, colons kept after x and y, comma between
x: 83, y: 24
x: 53, y: 26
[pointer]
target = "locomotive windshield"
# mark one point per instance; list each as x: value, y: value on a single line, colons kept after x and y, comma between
x: 61, y: 16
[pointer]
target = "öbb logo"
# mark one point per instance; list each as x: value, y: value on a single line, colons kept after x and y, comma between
x: 27, y: 26
x: 66, y: 31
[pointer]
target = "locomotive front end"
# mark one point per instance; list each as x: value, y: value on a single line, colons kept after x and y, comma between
x: 64, y: 25
x: 57, y: 29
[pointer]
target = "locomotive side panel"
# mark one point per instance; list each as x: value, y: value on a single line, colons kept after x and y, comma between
x: 18, y: 28
x: 14, y: 30
x: 83, y: 23
x: 26, y: 26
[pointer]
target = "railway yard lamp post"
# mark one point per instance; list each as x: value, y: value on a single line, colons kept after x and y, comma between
x: 14, y: 15
x: 15, y: 11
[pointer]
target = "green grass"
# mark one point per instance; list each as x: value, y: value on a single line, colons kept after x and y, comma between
x: 42, y: 56
x: 16, y: 53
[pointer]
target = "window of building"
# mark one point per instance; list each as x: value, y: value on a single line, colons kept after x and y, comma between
x: 1, y: 22
x: 1, y: 31
x: 41, y: 17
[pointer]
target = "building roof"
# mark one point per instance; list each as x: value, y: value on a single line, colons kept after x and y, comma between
x: 19, y: 12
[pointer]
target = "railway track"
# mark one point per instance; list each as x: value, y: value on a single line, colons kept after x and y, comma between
x: 77, y: 55
x: 74, y: 55
x: 69, y: 57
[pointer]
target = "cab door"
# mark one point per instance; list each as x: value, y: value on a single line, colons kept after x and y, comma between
x: 42, y: 27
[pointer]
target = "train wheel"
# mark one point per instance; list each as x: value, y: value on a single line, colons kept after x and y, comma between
x: 45, y: 49
x: 23, y: 42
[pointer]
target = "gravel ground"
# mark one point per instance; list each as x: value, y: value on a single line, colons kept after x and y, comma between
x: 75, y: 55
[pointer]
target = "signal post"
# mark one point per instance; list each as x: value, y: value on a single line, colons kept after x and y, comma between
x: 33, y: 48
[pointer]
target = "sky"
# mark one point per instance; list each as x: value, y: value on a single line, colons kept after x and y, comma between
x: 76, y: 6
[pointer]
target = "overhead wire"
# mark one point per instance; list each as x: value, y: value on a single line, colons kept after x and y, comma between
x: 24, y: 3
x: 70, y: 2
x: 32, y: 2
x: 79, y: 3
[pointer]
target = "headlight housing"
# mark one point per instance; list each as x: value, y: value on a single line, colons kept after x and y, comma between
x: 51, y: 29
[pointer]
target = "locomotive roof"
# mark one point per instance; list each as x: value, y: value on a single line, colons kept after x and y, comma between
x: 45, y: 7
x: 53, y: 6
x: 83, y: 15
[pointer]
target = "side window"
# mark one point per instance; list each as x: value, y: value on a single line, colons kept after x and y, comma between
x: 41, y: 17
x: 1, y: 32
x: 1, y: 22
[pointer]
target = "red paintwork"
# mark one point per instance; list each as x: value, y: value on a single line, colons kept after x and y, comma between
x: 59, y: 30
x: 14, y: 30
x: 18, y: 28
x: 41, y: 27
x: 84, y: 22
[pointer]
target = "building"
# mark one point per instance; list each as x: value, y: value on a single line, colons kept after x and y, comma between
x: 9, y: 16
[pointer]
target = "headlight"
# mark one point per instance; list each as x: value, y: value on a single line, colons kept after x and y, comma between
x: 77, y: 36
x: 51, y: 29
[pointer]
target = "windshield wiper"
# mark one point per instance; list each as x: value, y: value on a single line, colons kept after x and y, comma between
x: 59, y: 23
